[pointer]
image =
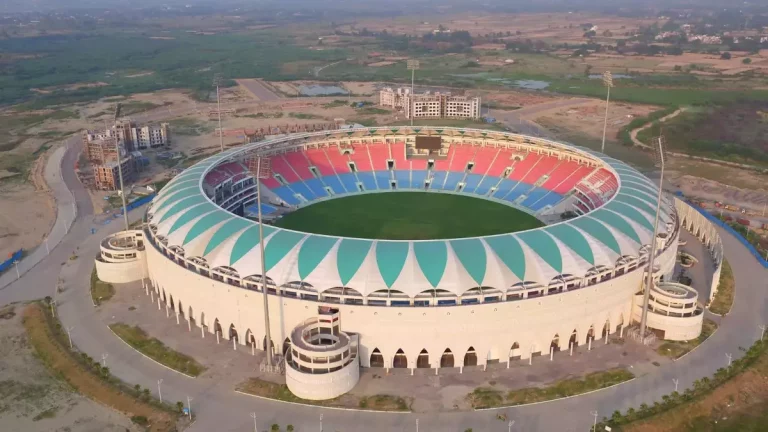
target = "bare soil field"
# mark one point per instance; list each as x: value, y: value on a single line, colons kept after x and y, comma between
x: 587, y: 119
x: 26, y: 218
x: 32, y: 400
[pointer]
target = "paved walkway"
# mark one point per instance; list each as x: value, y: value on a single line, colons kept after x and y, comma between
x: 65, y: 210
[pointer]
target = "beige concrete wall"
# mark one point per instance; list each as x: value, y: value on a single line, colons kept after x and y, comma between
x: 675, y: 328
x: 322, y: 386
x: 698, y: 225
x: 122, y: 271
x: 490, y: 328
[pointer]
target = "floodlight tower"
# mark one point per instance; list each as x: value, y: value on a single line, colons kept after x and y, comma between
x: 659, y: 156
x: 263, y: 170
x: 608, y: 83
x: 119, y: 172
x: 412, y: 65
x: 217, y: 83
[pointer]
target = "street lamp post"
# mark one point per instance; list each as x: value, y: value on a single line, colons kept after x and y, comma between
x: 159, y: 390
x: 762, y: 331
x: 412, y: 65
x: 510, y: 424
x: 652, y: 252
x: 321, y: 423
x: 675, y: 381
x: 729, y: 357
x: 594, y: 425
x: 255, y: 428
x: 104, y: 359
x: 217, y: 83
x: 608, y: 83
x: 189, y: 407
x: 69, y: 335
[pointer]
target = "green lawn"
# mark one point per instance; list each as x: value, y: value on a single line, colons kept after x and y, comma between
x: 408, y: 216
x: 151, y: 347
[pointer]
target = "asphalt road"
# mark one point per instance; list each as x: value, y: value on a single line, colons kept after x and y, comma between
x: 219, y: 408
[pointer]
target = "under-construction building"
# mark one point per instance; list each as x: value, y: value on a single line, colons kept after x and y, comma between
x: 430, y: 105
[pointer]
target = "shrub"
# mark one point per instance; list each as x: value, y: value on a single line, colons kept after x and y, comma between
x: 140, y: 420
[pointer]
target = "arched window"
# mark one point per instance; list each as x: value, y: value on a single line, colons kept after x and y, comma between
x: 470, y: 358
x: 423, y: 360
x: 400, y: 360
x: 446, y: 360
x: 377, y: 360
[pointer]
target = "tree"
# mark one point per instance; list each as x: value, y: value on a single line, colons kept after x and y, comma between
x: 137, y: 387
x: 289, y: 428
x: 747, y: 60
x: 180, y: 406
x: 145, y: 393
x: 725, y: 56
x: 275, y: 427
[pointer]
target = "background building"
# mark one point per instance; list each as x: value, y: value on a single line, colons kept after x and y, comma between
x: 430, y: 105
x: 107, y: 176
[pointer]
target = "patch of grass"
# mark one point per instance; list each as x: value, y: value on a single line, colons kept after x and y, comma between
x: 100, y: 290
x: 189, y: 127
x: 133, y: 107
x: 384, y: 403
x: 267, y: 389
x: 569, y: 387
x: 677, y: 349
x: 723, y: 300
x: 7, y: 312
x: 46, y: 337
x: 408, y: 216
x: 373, y: 111
x: 153, y: 348
x: 336, y: 103
x: 49, y: 413
x: 304, y: 116
x: 484, y: 397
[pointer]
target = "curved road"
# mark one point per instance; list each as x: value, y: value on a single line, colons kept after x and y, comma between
x: 219, y: 408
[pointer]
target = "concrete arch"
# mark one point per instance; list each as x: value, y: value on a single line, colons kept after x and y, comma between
x: 217, y: 327
x: 422, y: 361
x: 514, y: 351
x: 447, y: 360
x: 400, y: 360
x: 376, y: 359
x: 232, y: 332
x: 470, y: 357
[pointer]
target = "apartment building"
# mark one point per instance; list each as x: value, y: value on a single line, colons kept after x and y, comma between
x: 430, y: 105
x: 107, y: 175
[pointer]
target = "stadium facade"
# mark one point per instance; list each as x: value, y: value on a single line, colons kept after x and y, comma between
x: 337, y: 303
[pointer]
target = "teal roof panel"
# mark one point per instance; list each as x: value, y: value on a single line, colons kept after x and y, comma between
x: 572, y: 238
x: 471, y: 255
x: 390, y: 258
x: 544, y: 246
x: 314, y: 249
x: 350, y: 256
x: 509, y: 251
x: 432, y: 257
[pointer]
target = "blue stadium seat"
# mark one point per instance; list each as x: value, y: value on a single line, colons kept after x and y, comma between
x: 403, y: 178
x: 417, y: 179
x: 486, y: 185
x: 534, y: 195
x: 366, y: 178
x: 286, y: 194
x: 453, y: 180
x: 472, y: 180
x: 301, y: 188
x: 383, y: 179
x: 334, y: 183
x: 520, y: 189
x: 265, y: 209
x: 438, y: 178
x: 505, y: 186
x: 551, y: 200
x: 317, y: 187
x: 349, y: 182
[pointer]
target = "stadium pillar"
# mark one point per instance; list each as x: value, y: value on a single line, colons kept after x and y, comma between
x: 202, y: 331
x: 177, y: 319
x: 621, y: 331
x: 189, y: 324
x: 606, y: 337
x: 570, y: 348
x: 152, y: 296
x: 551, y: 353
x: 436, y: 371
x: 590, y: 345
x: 217, y: 337
x: 461, y: 369
x: 167, y: 312
x: 411, y: 371
x: 158, y: 302
x: 234, y: 344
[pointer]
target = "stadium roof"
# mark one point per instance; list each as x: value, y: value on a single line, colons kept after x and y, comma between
x: 187, y: 218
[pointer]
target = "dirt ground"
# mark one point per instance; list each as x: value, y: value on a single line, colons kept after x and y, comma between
x: 587, y: 119
x: 26, y: 218
x: 32, y: 400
